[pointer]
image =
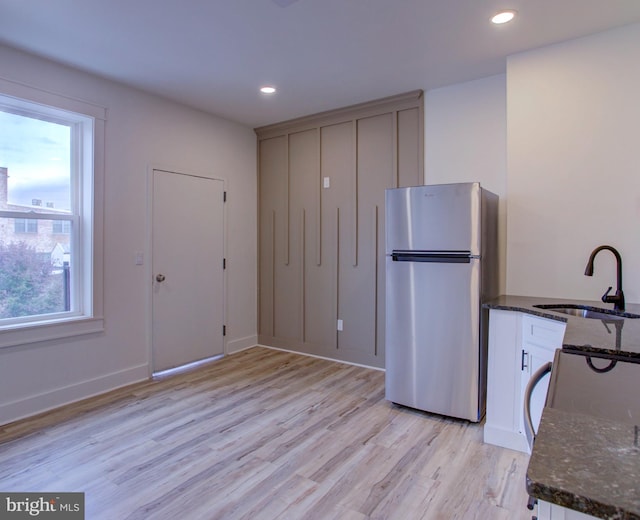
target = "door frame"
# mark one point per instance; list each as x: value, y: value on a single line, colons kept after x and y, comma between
x: 148, y: 255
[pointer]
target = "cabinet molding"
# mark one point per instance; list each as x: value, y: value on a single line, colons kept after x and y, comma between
x: 395, y: 103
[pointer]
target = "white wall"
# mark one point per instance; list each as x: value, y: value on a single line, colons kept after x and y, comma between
x: 141, y: 131
x: 465, y: 141
x: 574, y: 165
x: 557, y: 140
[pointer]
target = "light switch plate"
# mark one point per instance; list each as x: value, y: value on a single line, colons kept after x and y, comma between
x: 326, y: 182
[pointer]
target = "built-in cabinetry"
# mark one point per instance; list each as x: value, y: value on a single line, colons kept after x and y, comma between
x: 519, y: 344
x: 322, y: 181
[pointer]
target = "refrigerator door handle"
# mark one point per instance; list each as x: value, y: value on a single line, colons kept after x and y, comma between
x: 449, y: 257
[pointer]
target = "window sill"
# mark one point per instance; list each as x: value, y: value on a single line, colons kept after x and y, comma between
x: 46, y: 331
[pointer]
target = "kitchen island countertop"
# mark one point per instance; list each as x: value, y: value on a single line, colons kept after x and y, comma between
x: 583, y: 462
x: 586, y: 463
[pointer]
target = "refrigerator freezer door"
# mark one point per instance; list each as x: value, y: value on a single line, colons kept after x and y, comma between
x: 428, y: 218
x: 432, y: 337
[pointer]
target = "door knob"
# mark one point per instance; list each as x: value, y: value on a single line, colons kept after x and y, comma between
x: 160, y: 278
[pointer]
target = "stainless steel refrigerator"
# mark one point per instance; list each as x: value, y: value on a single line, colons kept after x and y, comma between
x: 441, y: 264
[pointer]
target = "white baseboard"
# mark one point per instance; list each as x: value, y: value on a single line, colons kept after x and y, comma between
x: 505, y: 438
x: 321, y: 357
x: 241, y: 344
x: 43, y: 402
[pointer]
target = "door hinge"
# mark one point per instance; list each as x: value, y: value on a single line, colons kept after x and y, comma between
x: 224, y: 263
x: 224, y: 330
x: 224, y: 196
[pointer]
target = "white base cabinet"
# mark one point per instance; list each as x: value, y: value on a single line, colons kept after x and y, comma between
x: 519, y: 344
x: 548, y: 511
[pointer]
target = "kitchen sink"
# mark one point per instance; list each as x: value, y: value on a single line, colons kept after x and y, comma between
x: 586, y: 311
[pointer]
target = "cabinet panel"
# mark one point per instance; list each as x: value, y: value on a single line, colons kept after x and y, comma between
x: 292, y: 289
x: 542, y: 331
x: 321, y: 269
x: 503, y: 381
x: 272, y: 216
x: 548, y: 511
x: 409, y: 150
x: 361, y: 271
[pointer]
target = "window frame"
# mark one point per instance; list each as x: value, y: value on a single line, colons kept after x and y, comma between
x: 86, y: 316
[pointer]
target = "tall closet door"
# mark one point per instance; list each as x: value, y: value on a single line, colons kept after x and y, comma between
x: 322, y: 186
x: 361, y: 278
x: 273, y: 210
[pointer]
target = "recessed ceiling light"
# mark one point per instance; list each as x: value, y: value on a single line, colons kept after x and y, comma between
x: 503, y: 16
x: 268, y: 90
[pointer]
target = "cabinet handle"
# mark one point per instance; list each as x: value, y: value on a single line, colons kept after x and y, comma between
x: 523, y: 360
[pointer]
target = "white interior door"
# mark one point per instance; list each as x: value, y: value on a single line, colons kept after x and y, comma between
x: 187, y: 248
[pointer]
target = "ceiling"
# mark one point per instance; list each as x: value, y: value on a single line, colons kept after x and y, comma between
x: 321, y: 54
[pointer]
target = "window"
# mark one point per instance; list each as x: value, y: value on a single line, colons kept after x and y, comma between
x: 49, y: 249
x: 62, y: 226
x: 25, y: 225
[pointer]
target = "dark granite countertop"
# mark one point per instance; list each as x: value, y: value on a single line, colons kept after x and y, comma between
x: 581, y: 461
x: 620, y: 338
x: 586, y: 463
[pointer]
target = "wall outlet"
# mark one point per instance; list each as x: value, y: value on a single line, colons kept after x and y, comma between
x: 339, y: 325
x: 326, y: 182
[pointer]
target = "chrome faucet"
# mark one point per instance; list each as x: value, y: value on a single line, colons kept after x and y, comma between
x: 618, y: 298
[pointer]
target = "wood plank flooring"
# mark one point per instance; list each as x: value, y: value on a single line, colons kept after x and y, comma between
x: 263, y: 434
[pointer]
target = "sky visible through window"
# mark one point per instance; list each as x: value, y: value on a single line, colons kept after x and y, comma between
x: 37, y: 154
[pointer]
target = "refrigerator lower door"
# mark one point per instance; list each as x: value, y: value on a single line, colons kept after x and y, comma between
x: 433, y: 351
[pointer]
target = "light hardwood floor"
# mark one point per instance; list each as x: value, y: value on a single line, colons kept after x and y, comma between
x: 263, y: 434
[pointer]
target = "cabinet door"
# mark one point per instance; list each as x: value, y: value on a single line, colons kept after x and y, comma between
x: 503, y: 381
x: 533, y: 357
x: 540, y: 339
x: 548, y: 511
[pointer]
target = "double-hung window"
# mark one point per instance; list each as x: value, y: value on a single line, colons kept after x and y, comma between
x: 48, y: 217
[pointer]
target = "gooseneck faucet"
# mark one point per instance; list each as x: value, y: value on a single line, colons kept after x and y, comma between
x: 618, y: 298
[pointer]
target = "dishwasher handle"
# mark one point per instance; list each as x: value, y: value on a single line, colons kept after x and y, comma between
x: 535, y: 379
